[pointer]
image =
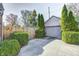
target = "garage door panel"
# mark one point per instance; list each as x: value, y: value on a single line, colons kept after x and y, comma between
x: 53, y: 31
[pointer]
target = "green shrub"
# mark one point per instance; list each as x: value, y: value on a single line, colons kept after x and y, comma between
x: 9, y: 48
x: 22, y: 37
x: 39, y: 33
x: 70, y: 37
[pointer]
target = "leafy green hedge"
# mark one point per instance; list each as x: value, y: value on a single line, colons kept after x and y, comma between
x: 70, y: 37
x: 22, y: 37
x: 39, y: 33
x: 9, y: 47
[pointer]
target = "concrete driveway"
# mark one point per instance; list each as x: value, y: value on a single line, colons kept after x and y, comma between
x: 49, y: 47
x: 59, y: 48
x: 34, y: 47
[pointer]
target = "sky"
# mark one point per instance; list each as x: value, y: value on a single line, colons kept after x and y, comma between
x: 15, y: 8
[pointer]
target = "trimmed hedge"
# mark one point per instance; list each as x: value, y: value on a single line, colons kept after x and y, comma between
x: 70, y: 37
x: 39, y: 33
x: 22, y: 37
x: 9, y: 47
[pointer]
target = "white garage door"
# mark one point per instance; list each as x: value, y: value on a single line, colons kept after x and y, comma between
x: 53, y: 32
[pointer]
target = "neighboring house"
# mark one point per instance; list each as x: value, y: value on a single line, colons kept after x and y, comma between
x: 1, y: 14
x: 52, y: 27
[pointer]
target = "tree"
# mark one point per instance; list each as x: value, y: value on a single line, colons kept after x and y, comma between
x: 12, y: 20
x: 74, y: 7
x: 25, y: 16
x: 42, y: 24
x: 42, y: 21
x: 34, y: 14
x: 39, y: 21
x: 72, y: 23
x: 40, y: 32
x: 64, y: 18
x: 68, y: 22
x: 29, y: 17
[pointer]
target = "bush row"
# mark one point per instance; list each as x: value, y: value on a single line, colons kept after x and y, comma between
x: 70, y: 37
x: 9, y: 47
x: 22, y: 37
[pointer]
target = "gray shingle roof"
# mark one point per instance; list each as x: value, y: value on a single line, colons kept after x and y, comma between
x: 52, y: 17
x: 1, y: 6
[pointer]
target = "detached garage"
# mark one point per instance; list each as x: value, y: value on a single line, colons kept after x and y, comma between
x: 52, y: 27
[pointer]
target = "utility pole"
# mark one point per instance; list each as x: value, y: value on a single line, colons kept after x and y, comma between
x: 49, y: 12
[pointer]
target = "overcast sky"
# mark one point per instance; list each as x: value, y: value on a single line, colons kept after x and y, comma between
x: 15, y: 8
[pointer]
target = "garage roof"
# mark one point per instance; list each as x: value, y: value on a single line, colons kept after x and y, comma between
x: 53, y: 21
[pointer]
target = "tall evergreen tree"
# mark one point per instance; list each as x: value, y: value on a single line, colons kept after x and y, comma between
x: 64, y: 18
x: 42, y: 24
x: 41, y: 28
x: 72, y: 23
x: 39, y: 22
x: 34, y: 14
x: 42, y: 21
x: 68, y: 22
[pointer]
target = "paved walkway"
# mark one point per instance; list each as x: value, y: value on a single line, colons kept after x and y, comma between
x: 59, y: 48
